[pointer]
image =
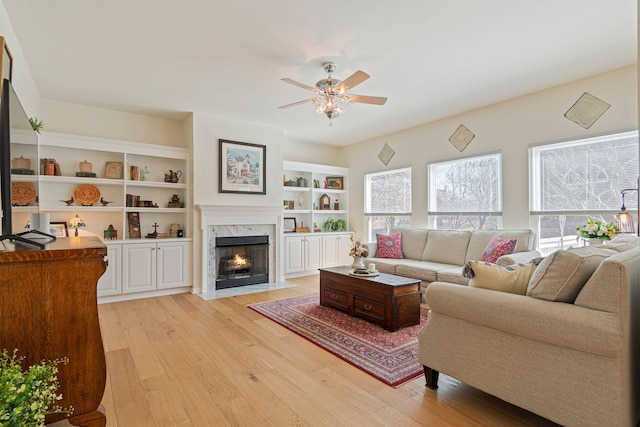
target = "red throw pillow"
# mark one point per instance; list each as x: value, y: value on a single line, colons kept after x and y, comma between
x: 496, y: 248
x: 389, y: 246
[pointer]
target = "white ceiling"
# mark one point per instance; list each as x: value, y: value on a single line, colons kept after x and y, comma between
x: 225, y: 58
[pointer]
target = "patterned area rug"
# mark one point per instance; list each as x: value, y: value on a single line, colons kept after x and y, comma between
x: 391, y: 357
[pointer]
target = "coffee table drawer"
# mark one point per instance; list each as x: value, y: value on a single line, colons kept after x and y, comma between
x: 336, y: 298
x: 368, y: 308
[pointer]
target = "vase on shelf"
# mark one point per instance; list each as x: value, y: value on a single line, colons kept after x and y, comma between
x: 593, y: 241
x: 358, y: 262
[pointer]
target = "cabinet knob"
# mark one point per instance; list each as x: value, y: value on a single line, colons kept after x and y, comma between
x: 367, y: 307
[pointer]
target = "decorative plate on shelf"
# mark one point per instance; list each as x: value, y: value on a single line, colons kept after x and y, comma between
x: 86, y: 194
x: 22, y: 193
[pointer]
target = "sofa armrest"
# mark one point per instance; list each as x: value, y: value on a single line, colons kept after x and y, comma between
x: 517, y: 257
x: 557, y: 323
x: 372, y: 247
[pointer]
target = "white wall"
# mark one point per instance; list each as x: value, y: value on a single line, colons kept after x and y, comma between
x: 511, y: 127
x: 22, y: 81
x: 77, y: 119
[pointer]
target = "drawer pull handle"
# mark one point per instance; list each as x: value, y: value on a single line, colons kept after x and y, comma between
x: 368, y: 307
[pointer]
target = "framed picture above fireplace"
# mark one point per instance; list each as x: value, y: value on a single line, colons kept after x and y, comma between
x: 242, y: 167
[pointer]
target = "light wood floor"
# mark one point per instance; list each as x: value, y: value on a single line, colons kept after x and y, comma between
x: 182, y: 361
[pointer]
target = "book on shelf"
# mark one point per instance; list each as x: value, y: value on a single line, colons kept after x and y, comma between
x: 48, y: 167
x: 158, y: 236
x: 134, y: 173
x: 132, y: 200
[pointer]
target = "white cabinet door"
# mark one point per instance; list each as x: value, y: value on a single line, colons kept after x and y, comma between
x: 312, y: 252
x: 293, y: 260
x: 172, y: 263
x: 111, y: 281
x: 335, y: 250
x: 343, y: 247
x: 138, y: 267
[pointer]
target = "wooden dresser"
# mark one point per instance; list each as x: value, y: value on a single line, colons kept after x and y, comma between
x: 48, y: 310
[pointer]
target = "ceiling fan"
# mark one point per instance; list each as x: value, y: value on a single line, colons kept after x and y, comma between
x: 330, y: 95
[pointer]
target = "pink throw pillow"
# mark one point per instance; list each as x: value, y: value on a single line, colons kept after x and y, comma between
x: 389, y: 246
x: 496, y: 248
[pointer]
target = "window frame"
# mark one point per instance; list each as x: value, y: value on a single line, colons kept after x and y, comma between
x: 368, y: 215
x: 432, y: 192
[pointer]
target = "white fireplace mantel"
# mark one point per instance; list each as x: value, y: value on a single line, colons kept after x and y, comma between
x: 239, y: 220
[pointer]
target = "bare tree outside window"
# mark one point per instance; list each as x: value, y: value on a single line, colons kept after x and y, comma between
x: 466, y: 193
x: 387, y: 201
x: 573, y: 180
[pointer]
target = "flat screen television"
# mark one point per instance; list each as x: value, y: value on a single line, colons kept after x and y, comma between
x: 13, y: 120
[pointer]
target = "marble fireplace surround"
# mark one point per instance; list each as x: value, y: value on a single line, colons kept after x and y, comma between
x: 229, y: 221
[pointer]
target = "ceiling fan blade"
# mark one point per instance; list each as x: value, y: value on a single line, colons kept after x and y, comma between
x: 295, y: 104
x: 302, y: 85
x: 352, y: 81
x: 363, y: 99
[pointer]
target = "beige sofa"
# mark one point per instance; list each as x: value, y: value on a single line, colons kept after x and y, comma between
x: 440, y: 255
x: 576, y: 364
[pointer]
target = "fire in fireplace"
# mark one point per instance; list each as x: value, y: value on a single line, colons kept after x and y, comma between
x: 242, y: 260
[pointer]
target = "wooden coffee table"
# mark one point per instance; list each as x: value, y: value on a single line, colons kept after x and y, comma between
x: 392, y: 302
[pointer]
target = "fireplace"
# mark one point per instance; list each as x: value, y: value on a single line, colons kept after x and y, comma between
x: 242, y: 261
x: 238, y: 221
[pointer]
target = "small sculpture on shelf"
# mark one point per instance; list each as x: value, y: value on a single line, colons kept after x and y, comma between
x: 172, y: 176
x: 69, y: 201
x: 104, y: 202
x: 110, y: 233
x: 175, y: 202
x: 155, y: 234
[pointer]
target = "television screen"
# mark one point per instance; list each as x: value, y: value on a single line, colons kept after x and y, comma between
x: 18, y: 166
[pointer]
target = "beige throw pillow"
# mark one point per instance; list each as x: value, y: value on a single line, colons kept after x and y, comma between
x: 561, y: 275
x: 512, y: 279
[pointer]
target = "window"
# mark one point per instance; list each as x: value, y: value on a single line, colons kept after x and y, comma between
x: 466, y: 193
x: 387, y: 201
x: 575, y: 179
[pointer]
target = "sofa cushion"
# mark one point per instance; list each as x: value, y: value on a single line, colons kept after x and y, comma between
x: 389, y: 245
x: 413, y: 241
x: 496, y: 248
x: 480, y: 238
x: 423, y: 270
x: 561, y: 275
x: 622, y: 242
x: 446, y: 246
x: 512, y: 279
x: 452, y: 275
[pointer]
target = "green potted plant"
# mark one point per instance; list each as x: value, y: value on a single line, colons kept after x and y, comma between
x: 334, y: 224
x: 27, y: 396
x: 36, y: 124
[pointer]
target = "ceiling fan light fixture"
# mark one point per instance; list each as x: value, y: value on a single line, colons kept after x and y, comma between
x: 330, y: 96
x: 330, y: 104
